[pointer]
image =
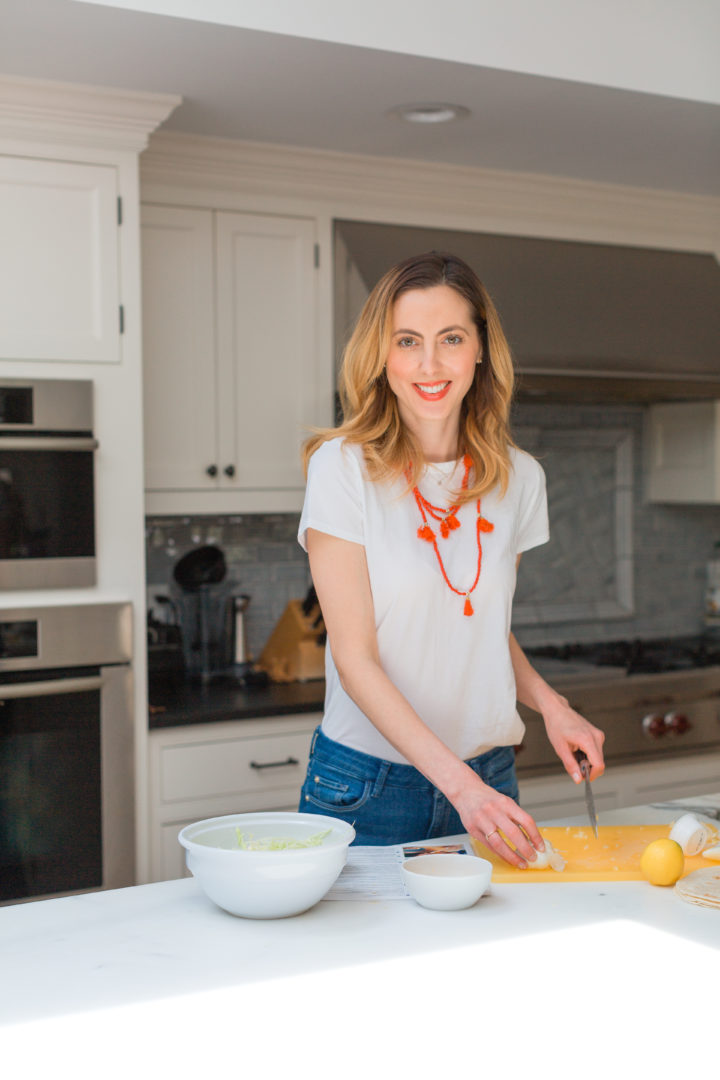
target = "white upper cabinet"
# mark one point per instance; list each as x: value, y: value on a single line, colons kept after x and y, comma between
x: 231, y: 383
x: 59, y: 272
x: 682, y: 452
x: 266, y: 346
x: 178, y: 347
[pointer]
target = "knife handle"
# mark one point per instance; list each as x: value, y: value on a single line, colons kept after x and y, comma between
x: 582, y: 760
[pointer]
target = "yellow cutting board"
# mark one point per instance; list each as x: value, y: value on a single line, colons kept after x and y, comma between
x: 614, y: 856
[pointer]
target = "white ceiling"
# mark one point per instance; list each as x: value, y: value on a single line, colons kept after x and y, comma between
x: 278, y: 88
x: 666, y: 47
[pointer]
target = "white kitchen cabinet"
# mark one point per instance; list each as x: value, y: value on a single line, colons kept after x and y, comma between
x: 556, y: 796
x: 682, y: 452
x: 681, y: 778
x: 207, y: 770
x: 179, y: 361
x: 59, y: 261
x: 231, y: 374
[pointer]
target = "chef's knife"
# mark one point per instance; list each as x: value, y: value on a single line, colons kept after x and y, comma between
x: 581, y: 758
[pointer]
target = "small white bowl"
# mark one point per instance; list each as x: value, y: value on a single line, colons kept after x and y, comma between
x: 446, y: 882
x: 266, y: 884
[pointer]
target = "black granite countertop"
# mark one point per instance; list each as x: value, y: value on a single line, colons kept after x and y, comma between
x: 191, y: 703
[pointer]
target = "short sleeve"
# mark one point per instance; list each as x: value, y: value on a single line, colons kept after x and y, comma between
x: 334, y: 497
x: 533, y: 526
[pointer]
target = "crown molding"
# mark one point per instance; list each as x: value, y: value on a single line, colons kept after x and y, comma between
x: 47, y: 111
x: 483, y: 199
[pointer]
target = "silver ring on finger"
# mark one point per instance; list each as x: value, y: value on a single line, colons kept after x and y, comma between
x: 489, y: 834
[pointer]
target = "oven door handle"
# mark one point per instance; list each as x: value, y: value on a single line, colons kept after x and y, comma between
x: 51, y: 686
x: 48, y: 442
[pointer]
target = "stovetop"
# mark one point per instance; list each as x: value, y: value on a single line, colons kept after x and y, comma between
x: 636, y: 656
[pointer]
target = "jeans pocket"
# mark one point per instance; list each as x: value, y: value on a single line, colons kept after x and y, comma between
x: 332, y: 790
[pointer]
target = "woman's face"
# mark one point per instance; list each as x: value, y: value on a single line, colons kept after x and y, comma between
x: 434, y: 350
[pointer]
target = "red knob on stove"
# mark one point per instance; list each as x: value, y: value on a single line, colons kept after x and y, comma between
x: 654, y: 725
x: 677, y: 723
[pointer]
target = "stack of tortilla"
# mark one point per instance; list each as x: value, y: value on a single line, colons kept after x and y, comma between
x: 701, y: 887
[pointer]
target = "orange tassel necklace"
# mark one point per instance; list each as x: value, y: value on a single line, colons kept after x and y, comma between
x: 448, y: 521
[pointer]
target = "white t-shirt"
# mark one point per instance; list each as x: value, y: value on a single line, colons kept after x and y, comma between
x: 454, y: 669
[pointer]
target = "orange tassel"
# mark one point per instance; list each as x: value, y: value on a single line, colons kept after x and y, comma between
x: 448, y: 522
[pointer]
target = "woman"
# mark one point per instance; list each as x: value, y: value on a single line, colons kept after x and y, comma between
x: 418, y: 507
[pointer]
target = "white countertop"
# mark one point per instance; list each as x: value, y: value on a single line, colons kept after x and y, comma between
x: 156, y: 980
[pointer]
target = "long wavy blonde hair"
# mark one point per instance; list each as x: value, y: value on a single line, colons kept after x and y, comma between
x: 370, y: 410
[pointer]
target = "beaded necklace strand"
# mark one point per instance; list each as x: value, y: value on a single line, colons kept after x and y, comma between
x: 448, y: 523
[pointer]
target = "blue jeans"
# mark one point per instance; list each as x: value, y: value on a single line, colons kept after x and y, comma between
x: 389, y: 803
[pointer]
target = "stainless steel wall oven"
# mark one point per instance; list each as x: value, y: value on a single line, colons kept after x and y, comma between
x: 47, y: 495
x: 67, y: 818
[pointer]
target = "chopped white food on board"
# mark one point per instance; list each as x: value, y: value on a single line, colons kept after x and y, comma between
x: 549, y: 857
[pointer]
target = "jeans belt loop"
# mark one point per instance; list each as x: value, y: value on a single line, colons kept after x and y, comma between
x: 315, y: 734
x: 380, y: 778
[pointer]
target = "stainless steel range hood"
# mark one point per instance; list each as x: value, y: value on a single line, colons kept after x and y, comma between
x: 586, y: 322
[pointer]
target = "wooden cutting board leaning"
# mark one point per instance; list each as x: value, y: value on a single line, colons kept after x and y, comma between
x: 614, y: 856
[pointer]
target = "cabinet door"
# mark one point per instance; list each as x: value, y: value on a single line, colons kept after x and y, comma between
x: 682, y: 459
x: 679, y: 779
x: 169, y: 861
x: 268, y: 388
x: 551, y: 797
x: 59, y: 275
x: 168, y: 854
x: 230, y: 767
x: 178, y: 348
x: 547, y: 798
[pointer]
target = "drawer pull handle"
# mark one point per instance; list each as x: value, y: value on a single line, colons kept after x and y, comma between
x: 273, y: 764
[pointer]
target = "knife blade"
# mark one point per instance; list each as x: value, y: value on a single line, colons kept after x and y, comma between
x: 582, y: 760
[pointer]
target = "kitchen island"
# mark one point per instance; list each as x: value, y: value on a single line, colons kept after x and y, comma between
x: 575, y: 978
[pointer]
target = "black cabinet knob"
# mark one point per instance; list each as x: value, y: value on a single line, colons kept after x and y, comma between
x: 212, y: 470
x: 229, y: 470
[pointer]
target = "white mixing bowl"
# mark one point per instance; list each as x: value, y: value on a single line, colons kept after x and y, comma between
x: 266, y: 884
x: 446, y: 882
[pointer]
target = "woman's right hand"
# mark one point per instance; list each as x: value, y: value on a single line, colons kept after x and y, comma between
x: 486, y: 813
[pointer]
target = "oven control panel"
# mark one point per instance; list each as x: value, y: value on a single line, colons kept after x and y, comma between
x: 18, y: 639
x: 62, y: 636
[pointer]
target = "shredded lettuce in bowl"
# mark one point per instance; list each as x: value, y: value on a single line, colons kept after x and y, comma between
x: 278, y: 843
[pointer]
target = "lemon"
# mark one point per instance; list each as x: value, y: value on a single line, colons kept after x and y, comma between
x: 662, y: 862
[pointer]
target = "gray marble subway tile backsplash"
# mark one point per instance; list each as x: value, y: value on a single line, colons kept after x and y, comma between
x: 263, y: 557
x: 664, y: 553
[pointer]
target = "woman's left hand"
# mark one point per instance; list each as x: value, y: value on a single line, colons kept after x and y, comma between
x: 568, y: 731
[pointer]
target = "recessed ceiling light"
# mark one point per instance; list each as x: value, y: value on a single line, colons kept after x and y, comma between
x: 432, y: 113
